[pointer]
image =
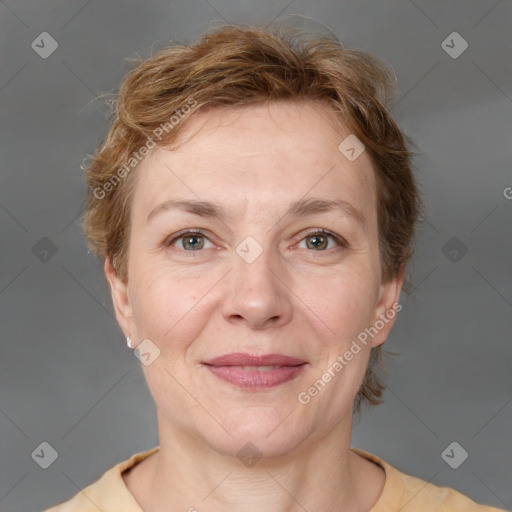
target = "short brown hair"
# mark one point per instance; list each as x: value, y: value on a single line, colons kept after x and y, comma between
x: 246, y: 65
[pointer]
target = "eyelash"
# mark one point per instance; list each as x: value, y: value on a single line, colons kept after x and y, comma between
x: 170, y: 241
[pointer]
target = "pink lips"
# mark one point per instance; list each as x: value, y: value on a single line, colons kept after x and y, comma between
x: 230, y: 368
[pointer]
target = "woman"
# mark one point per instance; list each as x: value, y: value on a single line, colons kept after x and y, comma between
x: 255, y: 208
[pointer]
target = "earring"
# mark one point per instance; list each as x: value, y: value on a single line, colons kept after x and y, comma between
x: 129, y: 342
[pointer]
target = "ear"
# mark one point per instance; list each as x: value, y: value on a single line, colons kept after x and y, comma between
x: 120, y: 299
x: 387, y: 309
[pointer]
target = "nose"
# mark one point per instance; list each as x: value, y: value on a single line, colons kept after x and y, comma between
x: 257, y: 293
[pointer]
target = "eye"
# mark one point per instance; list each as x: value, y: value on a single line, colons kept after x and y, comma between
x: 191, y: 240
x: 319, y: 240
x: 194, y: 241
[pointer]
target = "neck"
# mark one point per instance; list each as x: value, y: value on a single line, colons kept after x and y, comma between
x: 319, y: 474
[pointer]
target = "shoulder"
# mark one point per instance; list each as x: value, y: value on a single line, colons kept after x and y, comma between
x: 419, y: 495
x: 406, y: 493
x: 108, y: 493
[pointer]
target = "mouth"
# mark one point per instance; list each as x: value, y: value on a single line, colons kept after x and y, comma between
x: 251, y: 372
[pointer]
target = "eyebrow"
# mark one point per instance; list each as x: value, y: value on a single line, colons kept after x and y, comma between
x: 300, y: 208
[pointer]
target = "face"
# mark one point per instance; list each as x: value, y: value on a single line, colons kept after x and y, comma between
x: 250, y: 275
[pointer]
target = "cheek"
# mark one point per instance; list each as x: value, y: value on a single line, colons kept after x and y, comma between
x: 347, y: 300
x: 169, y: 307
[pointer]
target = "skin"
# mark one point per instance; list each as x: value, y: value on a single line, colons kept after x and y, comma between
x: 294, y: 299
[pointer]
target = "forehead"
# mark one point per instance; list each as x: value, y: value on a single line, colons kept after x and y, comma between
x: 254, y: 157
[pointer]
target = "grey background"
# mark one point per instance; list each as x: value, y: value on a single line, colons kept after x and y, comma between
x: 67, y: 377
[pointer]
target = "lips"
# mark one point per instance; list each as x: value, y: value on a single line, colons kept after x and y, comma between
x: 252, y: 372
x: 241, y: 359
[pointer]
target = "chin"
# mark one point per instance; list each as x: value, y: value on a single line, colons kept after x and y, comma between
x: 266, y: 430
x: 253, y: 444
